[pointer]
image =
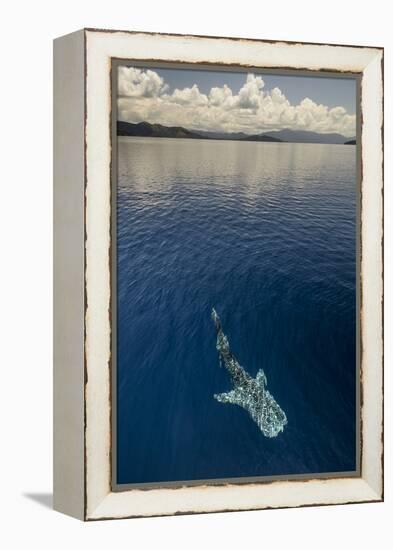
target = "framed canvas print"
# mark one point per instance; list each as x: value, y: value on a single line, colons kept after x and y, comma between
x: 218, y: 274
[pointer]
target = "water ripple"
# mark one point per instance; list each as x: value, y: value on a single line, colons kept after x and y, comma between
x: 266, y: 233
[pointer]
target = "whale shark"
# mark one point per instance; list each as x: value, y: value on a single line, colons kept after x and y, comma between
x: 249, y: 393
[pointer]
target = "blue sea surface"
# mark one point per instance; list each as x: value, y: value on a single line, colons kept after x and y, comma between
x: 266, y: 234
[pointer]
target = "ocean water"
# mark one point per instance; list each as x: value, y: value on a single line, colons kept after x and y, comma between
x: 266, y: 234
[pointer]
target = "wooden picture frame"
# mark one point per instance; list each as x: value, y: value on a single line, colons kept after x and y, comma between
x: 83, y: 283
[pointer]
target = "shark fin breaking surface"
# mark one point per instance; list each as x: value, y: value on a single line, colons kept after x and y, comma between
x: 249, y: 393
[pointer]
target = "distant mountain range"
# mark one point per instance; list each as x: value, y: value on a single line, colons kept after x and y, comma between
x: 304, y: 136
x: 154, y: 130
x: 146, y: 129
x: 237, y: 136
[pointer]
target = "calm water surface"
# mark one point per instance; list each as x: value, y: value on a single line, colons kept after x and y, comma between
x: 266, y: 234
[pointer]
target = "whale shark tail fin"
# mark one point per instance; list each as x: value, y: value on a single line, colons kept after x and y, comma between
x: 216, y: 319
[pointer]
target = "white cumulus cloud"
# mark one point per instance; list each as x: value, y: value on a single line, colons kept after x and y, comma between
x: 139, y: 83
x: 144, y: 95
x: 188, y: 96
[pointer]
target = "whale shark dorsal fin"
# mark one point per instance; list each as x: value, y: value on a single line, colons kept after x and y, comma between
x: 235, y: 397
x: 261, y: 378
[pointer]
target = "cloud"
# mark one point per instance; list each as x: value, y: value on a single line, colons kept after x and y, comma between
x: 139, y: 83
x: 144, y: 95
x: 188, y: 96
x: 251, y: 94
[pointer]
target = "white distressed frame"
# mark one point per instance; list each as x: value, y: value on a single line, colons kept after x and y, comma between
x: 99, y: 500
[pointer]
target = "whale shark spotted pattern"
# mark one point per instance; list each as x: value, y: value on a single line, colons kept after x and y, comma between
x: 249, y: 393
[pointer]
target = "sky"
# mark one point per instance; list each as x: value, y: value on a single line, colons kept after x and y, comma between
x: 226, y: 101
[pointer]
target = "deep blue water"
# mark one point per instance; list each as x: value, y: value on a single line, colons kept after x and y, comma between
x: 266, y: 234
